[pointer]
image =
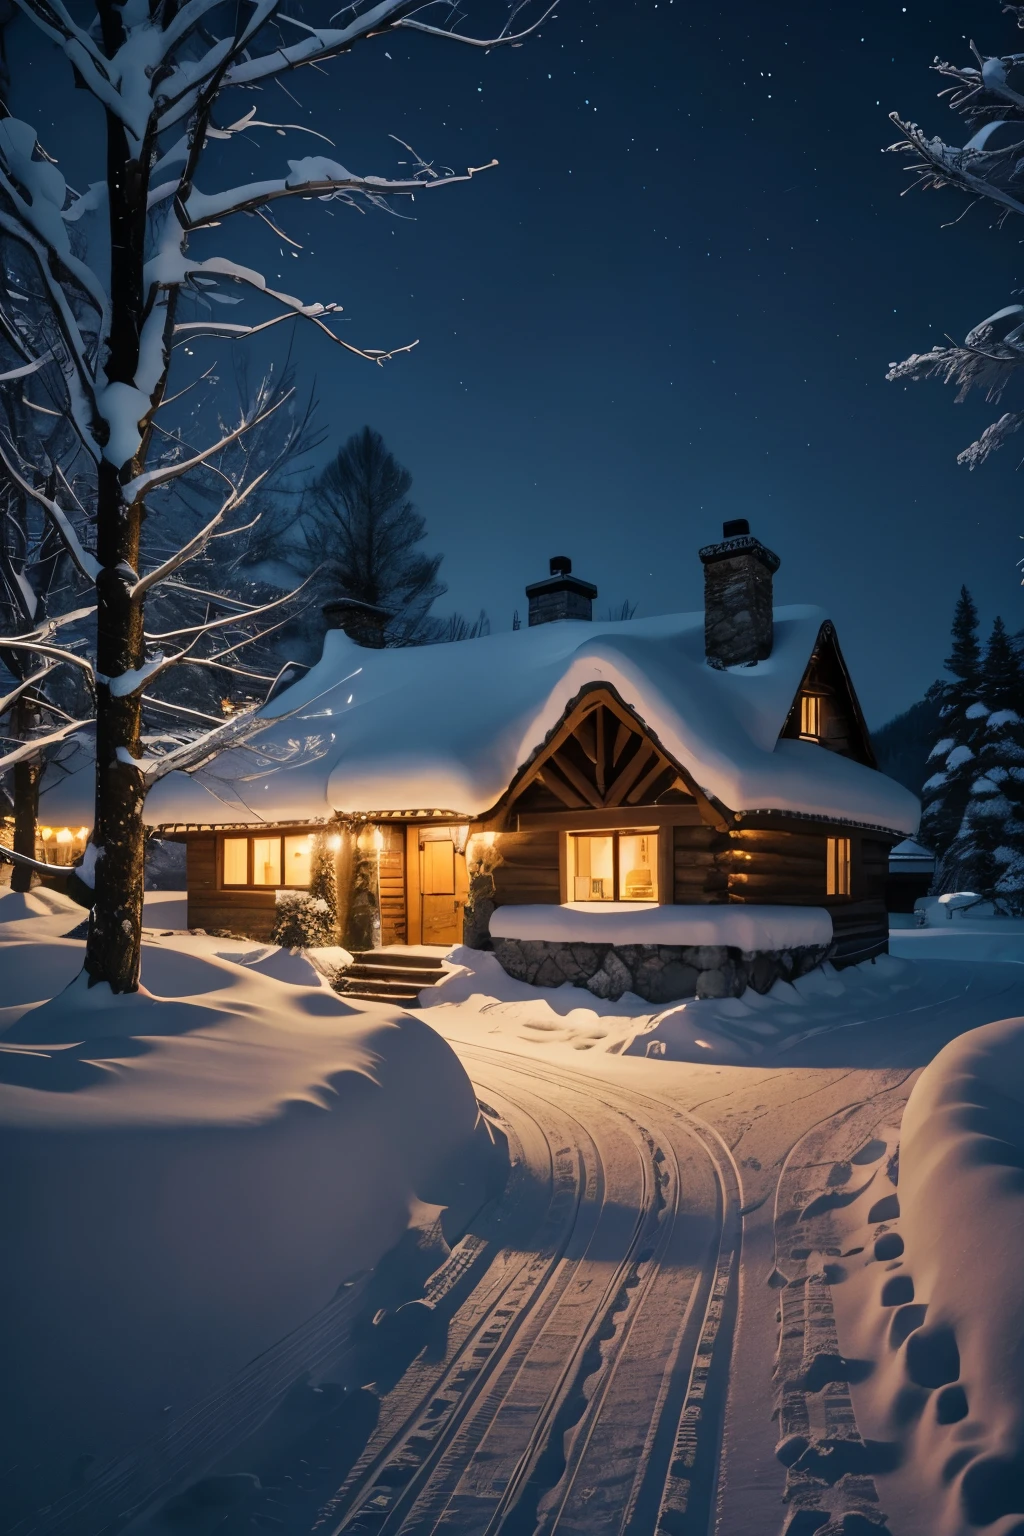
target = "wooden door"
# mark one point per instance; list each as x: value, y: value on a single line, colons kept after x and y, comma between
x: 443, y: 894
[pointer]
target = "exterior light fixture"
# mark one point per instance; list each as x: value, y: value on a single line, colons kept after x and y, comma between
x: 334, y: 842
x: 378, y: 839
x: 64, y: 835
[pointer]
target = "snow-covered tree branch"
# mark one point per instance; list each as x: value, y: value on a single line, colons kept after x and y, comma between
x: 988, y: 168
x: 114, y: 288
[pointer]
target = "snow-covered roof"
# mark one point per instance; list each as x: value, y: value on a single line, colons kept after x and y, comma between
x: 445, y: 727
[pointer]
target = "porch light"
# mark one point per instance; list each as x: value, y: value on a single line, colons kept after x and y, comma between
x: 378, y: 839
x: 64, y: 835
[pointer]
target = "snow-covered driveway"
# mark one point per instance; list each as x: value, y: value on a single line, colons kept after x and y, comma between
x: 581, y: 1383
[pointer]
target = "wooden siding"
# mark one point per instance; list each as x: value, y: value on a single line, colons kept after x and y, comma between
x: 394, y: 926
x: 529, y: 872
x: 599, y: 758
x: 841, y: 726
x: 250, y: 913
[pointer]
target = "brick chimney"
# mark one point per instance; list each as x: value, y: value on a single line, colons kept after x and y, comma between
x: 562, y: 596
x: 738, y: 597
x: 362, y: 622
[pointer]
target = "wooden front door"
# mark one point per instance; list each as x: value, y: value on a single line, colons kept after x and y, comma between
x: 443, y: 886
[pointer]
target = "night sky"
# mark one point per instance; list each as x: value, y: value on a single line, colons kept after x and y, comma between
x: 674, y: 302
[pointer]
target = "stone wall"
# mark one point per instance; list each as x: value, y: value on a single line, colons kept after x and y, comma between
x: 659, y: 973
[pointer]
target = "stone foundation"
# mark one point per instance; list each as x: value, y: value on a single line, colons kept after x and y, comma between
x: 659, y: 973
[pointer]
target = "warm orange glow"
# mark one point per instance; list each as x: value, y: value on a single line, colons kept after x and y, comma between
x: 46, y: 833
x: 64, y: 835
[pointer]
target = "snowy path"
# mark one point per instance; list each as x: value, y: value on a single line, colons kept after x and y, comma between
x: 591, y: 1358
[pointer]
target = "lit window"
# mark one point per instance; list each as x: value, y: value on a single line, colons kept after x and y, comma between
x: 266, y: 861
x: 810, y: 715
x: 236, y: 861
x: 594, y: 869
x: 617, y: 865
x: 837, y: 866
x: 297, y: 856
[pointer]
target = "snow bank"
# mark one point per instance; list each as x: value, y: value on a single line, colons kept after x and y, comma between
x: 961, y: 1197
x: 477, y: 999
x: 749, y: 928
x: 191, y: 1173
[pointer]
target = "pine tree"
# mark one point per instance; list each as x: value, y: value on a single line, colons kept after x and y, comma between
x: 363, y: 533
x: 987, y: 854
x: 1001, y: 674
x: 946, y: 793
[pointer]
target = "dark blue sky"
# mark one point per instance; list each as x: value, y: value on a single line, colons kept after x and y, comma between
x: 673, y: 303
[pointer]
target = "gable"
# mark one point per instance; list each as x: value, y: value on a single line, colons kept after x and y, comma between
x: 826, y: 708
x: 600, y: 757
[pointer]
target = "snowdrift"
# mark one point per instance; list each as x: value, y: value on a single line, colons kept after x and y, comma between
x: 191, y: 1173
x: 962, y: 1207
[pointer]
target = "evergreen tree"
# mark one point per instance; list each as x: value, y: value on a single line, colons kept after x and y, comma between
x: 364, y: 533
x: 946, y: 793
x: 1001, y: 675
x: 964, y: 659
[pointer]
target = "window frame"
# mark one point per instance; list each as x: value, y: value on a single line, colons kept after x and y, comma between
x: 249, y: 838
x: 839, y: 868
x: 616, y: 833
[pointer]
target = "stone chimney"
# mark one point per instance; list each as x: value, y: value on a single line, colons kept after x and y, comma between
x: 362, y: 622
x: 562, y: 596
x: 738, y: 597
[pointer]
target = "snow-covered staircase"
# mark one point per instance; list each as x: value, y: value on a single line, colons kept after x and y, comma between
x: 387, y: 976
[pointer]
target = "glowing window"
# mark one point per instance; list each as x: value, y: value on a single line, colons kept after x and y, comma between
x: 810, y: 715
x: 619, y: 866
x: 638, y: 866
x: 266, y: 861
x: 236, y: 861
x: 594, y: 869
x: 297, y: 857
x: 837, y: 866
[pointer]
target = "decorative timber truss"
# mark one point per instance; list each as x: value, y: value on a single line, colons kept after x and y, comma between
x: 600, y: 757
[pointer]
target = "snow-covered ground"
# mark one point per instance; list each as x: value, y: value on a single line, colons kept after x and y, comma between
x: 179, y: 1189
x: 198, y: 1171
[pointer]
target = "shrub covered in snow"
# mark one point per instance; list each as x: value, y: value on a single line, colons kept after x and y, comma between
x: 309, y: 919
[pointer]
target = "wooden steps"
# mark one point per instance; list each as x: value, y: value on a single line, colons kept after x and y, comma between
x: 382, y: 976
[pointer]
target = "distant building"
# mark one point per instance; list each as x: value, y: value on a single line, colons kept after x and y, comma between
x: 911, y: 872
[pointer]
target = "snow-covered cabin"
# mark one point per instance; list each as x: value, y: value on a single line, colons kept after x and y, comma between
x: 682, y: 762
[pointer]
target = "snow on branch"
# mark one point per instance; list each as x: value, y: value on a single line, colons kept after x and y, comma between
x: 150, y: 479
x: 31, y: 749
x: 85, y: 562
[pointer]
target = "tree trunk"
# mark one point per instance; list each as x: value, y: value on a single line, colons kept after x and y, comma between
x: 114, y: 947
x: 26, y: 806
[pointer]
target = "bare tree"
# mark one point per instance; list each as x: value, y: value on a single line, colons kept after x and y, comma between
x: 120, y: 270
x: 989, y: 168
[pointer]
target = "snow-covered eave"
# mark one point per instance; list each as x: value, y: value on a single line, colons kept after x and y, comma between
x: 825, y: 820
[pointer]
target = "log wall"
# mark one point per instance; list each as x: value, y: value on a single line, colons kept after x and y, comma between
x: 528, y: 873
x: 251, y: 913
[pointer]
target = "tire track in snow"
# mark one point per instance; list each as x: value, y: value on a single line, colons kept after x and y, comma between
x: 607, y: 1405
